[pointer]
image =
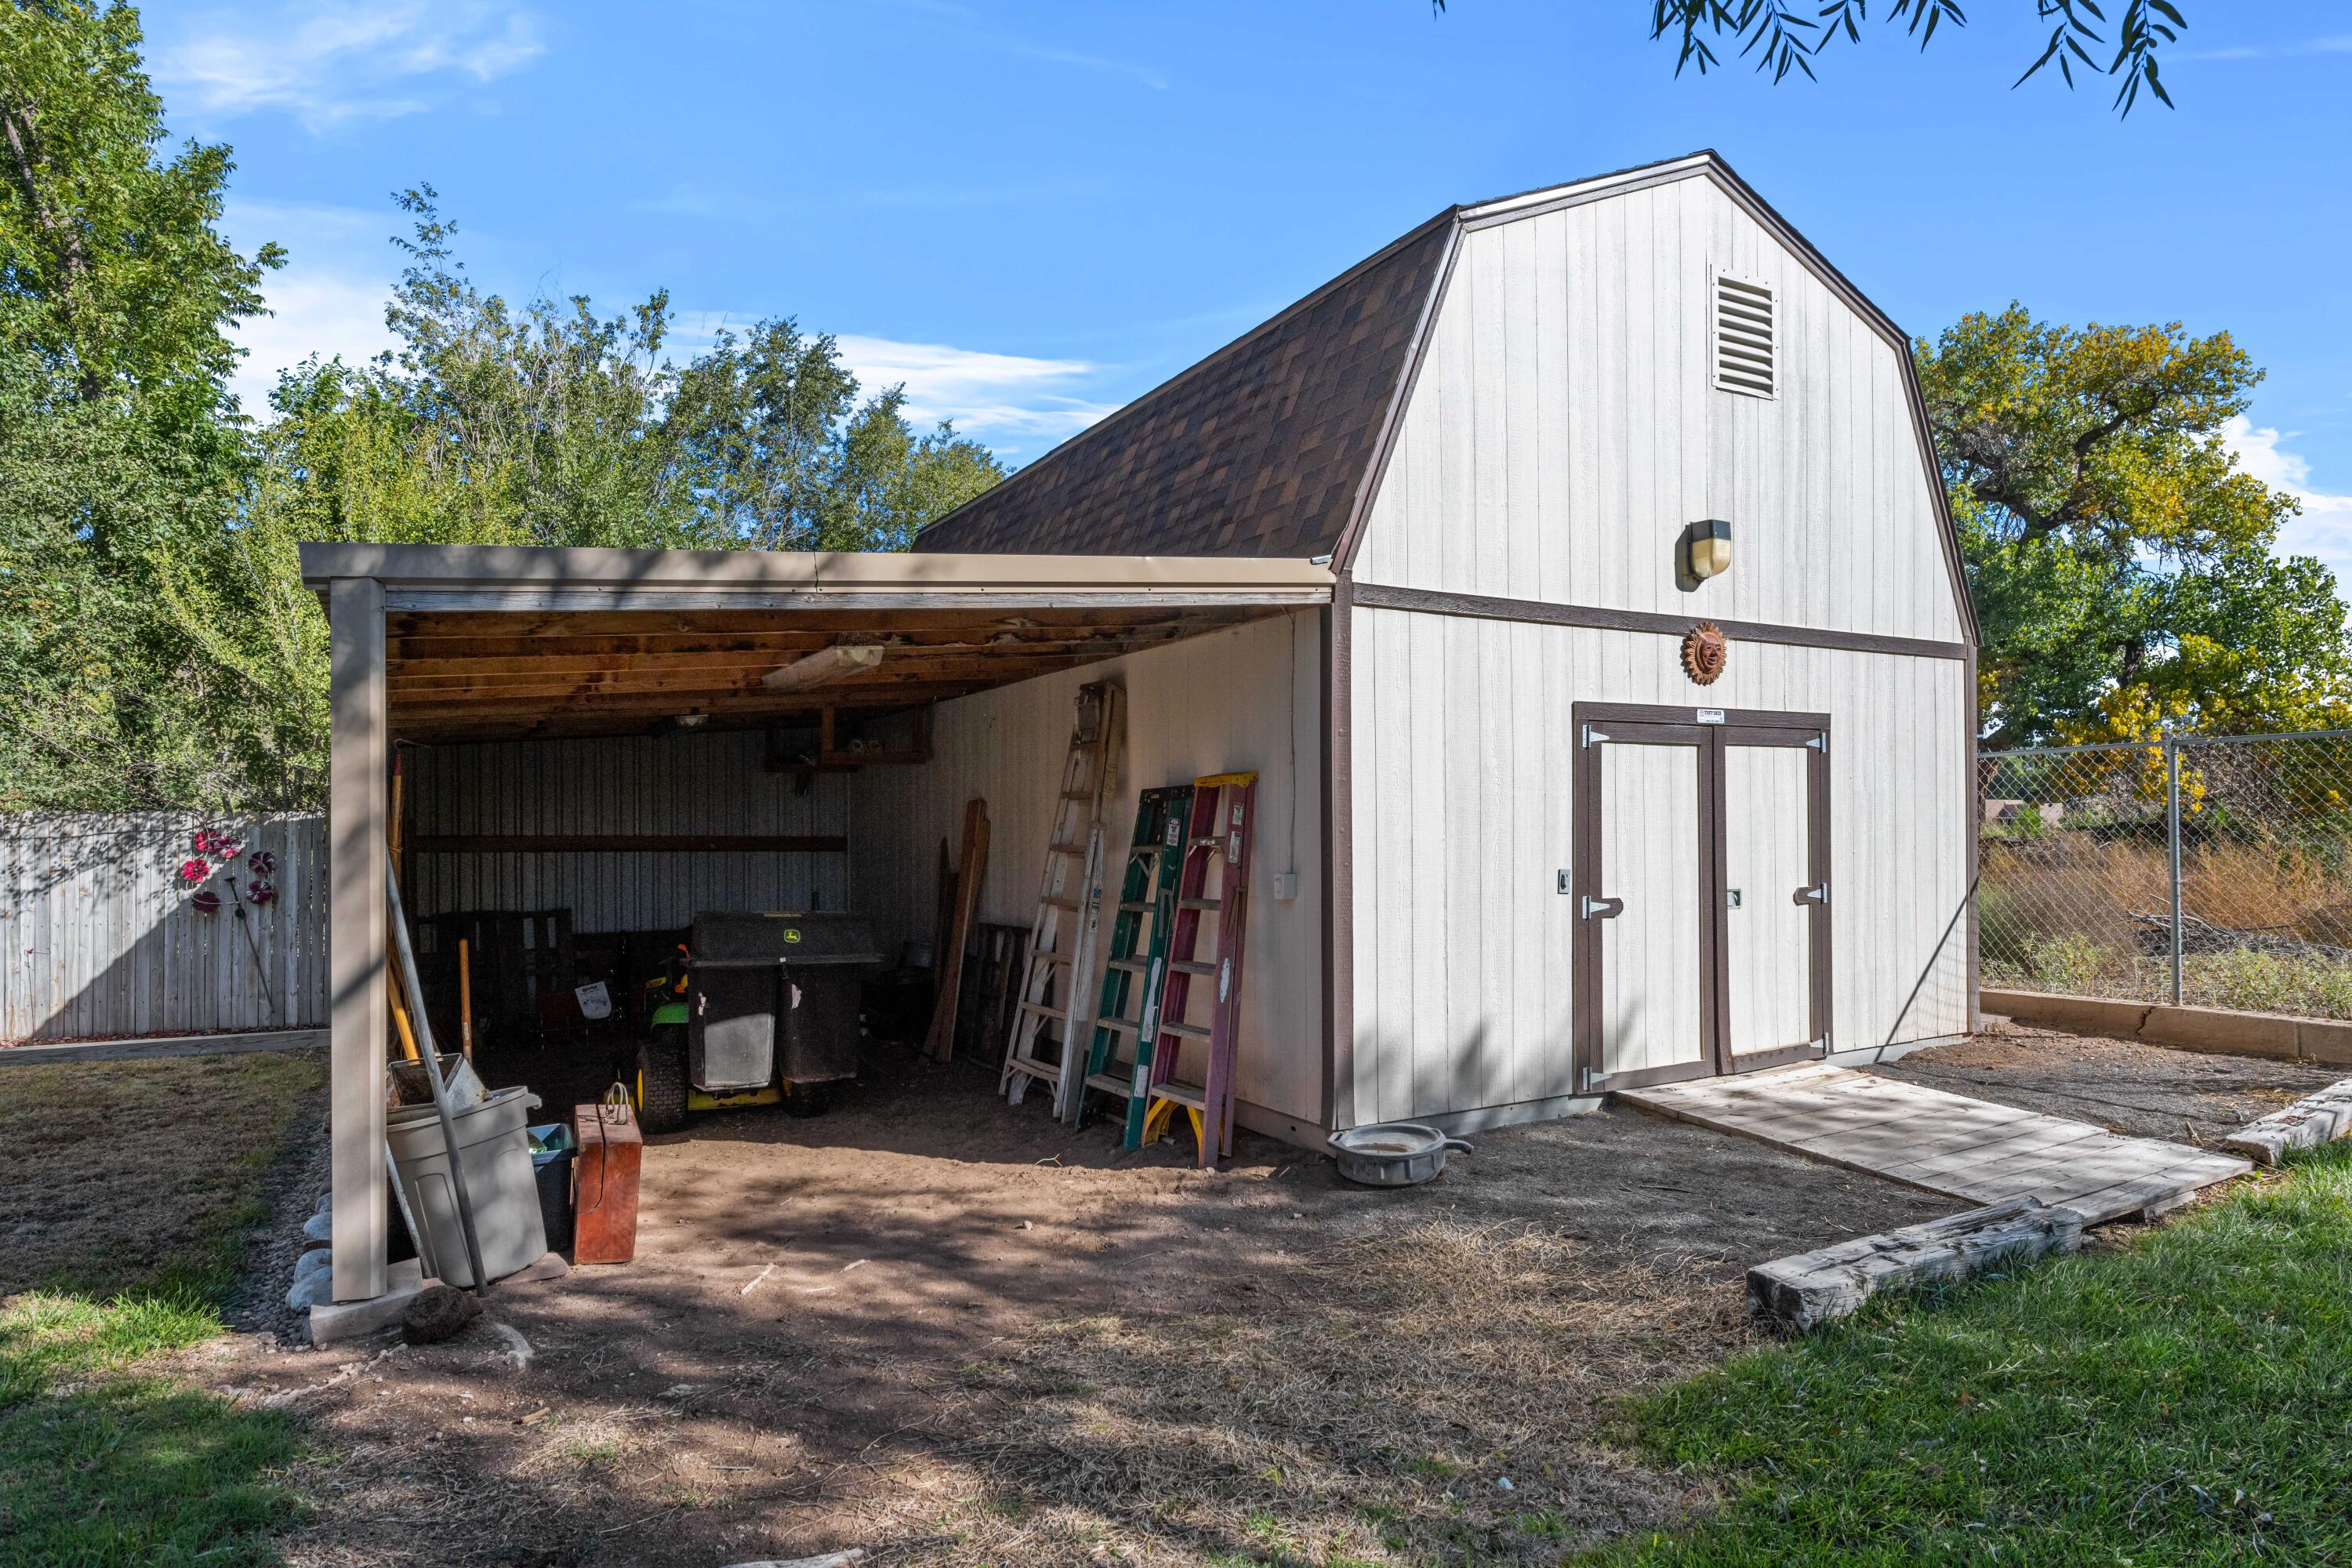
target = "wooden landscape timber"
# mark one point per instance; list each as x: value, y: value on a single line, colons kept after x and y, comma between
x: 2310, y: 1121
x: 1831, y: 1282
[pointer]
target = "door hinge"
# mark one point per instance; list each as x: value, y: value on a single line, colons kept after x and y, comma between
x: 1822, y: 1044
x: 1820, y: 895
x: 1820, y: 743
x: 1591, y: 908
x: 1592, y: 737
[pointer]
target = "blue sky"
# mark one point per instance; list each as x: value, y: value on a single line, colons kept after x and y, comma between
x: 1030, y: 213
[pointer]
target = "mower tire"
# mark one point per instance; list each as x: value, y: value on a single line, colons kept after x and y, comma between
x: 661, y: 1081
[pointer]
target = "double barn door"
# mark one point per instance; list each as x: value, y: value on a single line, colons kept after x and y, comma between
x: 1702, y: 892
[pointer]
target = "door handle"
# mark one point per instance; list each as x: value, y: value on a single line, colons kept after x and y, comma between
x: 1602, y: 908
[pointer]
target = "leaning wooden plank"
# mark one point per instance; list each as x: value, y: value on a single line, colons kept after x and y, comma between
x: 940, y: 1045
x: 2310, y: 1121
x: 1820, y: 1287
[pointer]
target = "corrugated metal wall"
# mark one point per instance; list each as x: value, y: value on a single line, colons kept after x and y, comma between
x: 99, y: 936
x: 629, y: 785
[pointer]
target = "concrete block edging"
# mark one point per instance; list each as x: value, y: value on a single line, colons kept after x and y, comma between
x: 2278, y: 1035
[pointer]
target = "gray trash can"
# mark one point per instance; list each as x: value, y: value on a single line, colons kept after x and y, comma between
x: 494, y: 1141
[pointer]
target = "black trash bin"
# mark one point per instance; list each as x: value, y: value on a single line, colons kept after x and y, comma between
x: 552, y: 1152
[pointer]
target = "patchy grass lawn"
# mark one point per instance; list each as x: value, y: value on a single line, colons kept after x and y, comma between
x: 2185, y: 1401
x: 123, y: 1236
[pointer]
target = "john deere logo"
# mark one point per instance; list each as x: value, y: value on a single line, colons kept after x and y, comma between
x: 792, y: 933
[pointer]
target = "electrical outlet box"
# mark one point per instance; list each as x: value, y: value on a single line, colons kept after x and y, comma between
x: 1286, y: 885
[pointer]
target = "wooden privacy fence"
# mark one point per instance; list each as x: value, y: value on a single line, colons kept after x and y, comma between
x: 100, y: 934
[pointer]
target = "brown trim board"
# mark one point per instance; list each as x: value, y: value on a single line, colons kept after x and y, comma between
x: 1393, y: 419
x: 1338, y: 868
x: 1380, y: 596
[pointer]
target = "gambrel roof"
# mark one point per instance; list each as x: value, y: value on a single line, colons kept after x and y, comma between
x: 1274, y: 444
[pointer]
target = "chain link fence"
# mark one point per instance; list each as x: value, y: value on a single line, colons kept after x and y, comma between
x: 2212, y: 870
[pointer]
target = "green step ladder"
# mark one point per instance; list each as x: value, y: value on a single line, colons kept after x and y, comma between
x: 1134, y: 975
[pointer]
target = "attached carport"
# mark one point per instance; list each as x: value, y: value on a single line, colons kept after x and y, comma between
x: 446, y: 644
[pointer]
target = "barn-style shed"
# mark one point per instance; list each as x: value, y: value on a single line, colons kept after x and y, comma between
x: 1573, y: 573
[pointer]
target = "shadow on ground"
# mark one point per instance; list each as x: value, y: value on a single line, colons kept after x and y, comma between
x: 950, y: 1330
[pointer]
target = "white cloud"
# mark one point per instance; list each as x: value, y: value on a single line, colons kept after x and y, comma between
x: 2334, y: 45
x: 329, y: 63
x: 985, y: 393
x: 2324, y: 528
x: 314, y: 311
x: 327, y: 300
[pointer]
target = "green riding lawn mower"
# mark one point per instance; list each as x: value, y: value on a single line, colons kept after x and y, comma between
x: 752, y: 1009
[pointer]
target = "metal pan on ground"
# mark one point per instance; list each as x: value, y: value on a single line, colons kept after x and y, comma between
x: 1392, y: 1154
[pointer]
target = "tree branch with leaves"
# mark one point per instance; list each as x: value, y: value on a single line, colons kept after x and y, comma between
x: 1784, y: 37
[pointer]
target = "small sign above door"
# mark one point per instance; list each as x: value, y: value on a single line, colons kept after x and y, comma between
x: 1710, y: 715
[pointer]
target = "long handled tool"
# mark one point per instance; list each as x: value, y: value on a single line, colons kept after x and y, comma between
x: 433, y: 1072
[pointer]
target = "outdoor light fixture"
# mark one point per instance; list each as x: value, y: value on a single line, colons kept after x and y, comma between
x: 827, y: 663
x: 1707, y: 548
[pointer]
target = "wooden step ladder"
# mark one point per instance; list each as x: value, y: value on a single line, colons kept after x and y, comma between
x: 1118, y: 1061
x: 1223, y: 816
x: 1048, y: 1007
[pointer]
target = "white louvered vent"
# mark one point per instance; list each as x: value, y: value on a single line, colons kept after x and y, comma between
x: 1744, y: 337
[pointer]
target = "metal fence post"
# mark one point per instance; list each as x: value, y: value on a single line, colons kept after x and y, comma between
x: 2172, y: 846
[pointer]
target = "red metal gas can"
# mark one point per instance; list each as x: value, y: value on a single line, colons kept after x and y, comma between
x: 605, y: 1193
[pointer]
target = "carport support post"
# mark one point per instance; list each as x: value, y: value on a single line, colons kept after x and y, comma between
x: 356, y: 931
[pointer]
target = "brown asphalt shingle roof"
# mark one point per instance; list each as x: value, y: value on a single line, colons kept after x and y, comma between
x: 1258, y: 449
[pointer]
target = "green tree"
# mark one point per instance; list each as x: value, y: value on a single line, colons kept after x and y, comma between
x: 542, y: 424
x: 783, y: 456
x: 156, y: 646
x: 2122, y: 565
x: 121, y: 448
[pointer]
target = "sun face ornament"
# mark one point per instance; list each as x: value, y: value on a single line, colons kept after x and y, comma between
x: 1705, y: 653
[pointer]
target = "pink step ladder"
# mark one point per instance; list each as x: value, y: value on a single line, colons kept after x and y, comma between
x: 1214, y: 883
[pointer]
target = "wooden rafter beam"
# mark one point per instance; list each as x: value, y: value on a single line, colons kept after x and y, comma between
x: 626, y: 844
x: 719, y: 683
x: 439, y: 713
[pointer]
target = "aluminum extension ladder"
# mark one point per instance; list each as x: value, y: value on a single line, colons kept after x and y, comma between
x: 1048, y: 1012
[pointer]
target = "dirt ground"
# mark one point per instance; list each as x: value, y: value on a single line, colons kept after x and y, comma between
x: 949, y: 1330
x: 2145, y: 1091
x: 952, y: 1331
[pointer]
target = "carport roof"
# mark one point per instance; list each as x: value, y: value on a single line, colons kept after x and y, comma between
x: 486, y: 642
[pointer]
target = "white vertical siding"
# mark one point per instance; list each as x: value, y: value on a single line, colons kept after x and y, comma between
x: 621, y: 784
x: 1246, y: 699
x: 1564, y: 430
x: 1462, y: 746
